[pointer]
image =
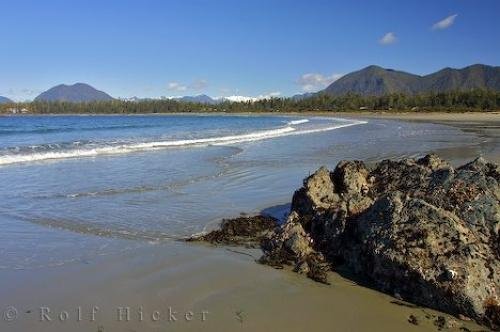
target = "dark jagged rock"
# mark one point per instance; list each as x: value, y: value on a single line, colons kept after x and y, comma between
x: 317, y: 194
x: 291, y: 245
x: 243, y: 231
x: 416, y: 228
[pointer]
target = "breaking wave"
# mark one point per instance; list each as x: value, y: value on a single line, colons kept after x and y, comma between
x: 72, y: 150
x: 296, y: 122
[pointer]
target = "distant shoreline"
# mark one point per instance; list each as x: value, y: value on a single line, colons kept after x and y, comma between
x: 396, y: 115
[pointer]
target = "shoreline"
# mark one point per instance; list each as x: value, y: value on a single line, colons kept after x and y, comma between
x: 441, y: 115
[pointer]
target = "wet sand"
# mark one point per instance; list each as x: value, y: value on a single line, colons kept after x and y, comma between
x: 223, y: 285
x: 232, y: 290
x: 486, y: 125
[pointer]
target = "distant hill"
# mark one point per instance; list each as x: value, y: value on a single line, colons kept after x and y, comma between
x: 301, y: 96
x: 377, y: 81
x: 5, y: 100
x: 78, y: 92
x: 202, y: 99
x: 468, y: 78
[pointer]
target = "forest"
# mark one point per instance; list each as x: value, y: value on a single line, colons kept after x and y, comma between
x: 456, y: 101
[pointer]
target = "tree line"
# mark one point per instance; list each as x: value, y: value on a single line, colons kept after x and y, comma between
x: 474, y: 100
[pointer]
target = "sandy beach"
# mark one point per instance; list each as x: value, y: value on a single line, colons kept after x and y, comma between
x: 234, y: 291
x: 174, y: 286
x: 485, y: 125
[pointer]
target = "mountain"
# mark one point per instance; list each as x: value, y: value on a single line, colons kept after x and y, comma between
x: 202, y: 99
x: 373, y: 80
x: 78, y: 92
x: 133, y: 99
x: 302, y: 96
x: 468, y: 78
x: 238, y: 99
x: 5, y: 100
x: 377, y: 81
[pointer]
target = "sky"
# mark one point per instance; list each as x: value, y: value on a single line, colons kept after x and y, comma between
x: 233, y: 48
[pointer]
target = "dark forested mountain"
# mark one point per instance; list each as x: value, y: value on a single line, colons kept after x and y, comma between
x: 78, y: 92
x: 5, y: 100
x: 468, y: 78
x: 378, y: 81
x: 202, y: 99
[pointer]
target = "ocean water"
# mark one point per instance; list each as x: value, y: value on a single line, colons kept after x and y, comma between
x: 78, y: 186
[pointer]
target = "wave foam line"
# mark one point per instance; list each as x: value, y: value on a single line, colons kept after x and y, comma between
x: 306, y: 131
x: 147, y: 146
x: 134, y: 147
x: 296, y: 122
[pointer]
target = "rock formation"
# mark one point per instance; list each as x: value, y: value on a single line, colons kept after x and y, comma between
x: 417, y: 229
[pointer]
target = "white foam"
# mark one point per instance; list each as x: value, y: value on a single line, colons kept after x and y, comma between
x: 135, y: 147
x: 296, y: 122
x: 302, y: 132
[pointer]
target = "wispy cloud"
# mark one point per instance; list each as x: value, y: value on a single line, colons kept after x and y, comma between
x: 312, y: 82
x: 274, y: 94
x: 176, y: 86
x: 388, y: 38
x: 445, y: 23
x: 20, y: 94
x: 197, y: 85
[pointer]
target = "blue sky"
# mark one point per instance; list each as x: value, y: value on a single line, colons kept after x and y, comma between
x: 221, y: 48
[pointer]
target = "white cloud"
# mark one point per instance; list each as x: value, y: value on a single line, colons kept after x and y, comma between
x: 22, y: 94
x: 445, y: 23
x: 198, y: 85
x: 274, y: 94
x: 388, y: 38
x: 312, y: 82
x: 176, y: 86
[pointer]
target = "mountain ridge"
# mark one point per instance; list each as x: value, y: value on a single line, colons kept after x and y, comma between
x: 202, y: 99
x: 5, y: 100
x: 372, y: 80
x: 78, y: 92
x: 377, y: 81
